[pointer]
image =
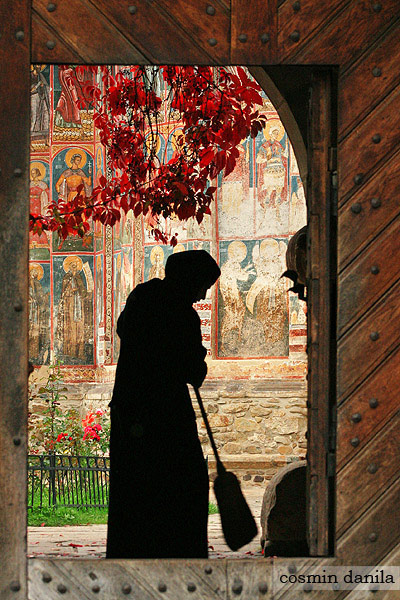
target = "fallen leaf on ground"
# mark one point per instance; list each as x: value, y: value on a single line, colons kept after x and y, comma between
x: 75, y: 545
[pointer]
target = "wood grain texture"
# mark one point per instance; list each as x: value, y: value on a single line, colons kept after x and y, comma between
x: 100, y: 44
x: 42, y: 34
x: 155, y: 33
x: 360, y: 285
x: 307, y: 21
x: 380, y: 386
x: 359, y: 152
x: 357, y: 230
x: 200, y: 27
x: 358, y: 546
x: 249, y: 579
x: 320, y: 389
x: 253, y: 19
x: 358, y: 354
x: 348, y: 35
x: 145, y: 579
x: 14, y: 204
x: 358, y: 486
x: 360, y: 91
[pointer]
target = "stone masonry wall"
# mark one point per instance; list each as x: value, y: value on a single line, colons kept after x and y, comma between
x: 258, y: 426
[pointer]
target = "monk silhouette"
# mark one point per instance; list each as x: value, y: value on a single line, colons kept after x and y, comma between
x: 158, y: 501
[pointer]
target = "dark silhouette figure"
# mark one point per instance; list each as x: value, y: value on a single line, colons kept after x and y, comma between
x: 158, y: 506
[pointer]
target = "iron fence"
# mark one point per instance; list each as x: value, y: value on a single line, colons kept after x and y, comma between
x: 65, y: 480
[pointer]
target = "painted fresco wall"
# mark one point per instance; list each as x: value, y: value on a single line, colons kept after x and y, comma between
x: 251, y: 325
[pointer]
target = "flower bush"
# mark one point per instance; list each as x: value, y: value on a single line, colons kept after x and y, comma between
x: 64, y: 432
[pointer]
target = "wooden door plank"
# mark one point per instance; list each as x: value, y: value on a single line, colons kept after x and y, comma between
x: 43, y: 50
x: 371, y: 405
x: 253, y: 32
x: 144, y: 579
x: 14, y: 202
x: 203, y: 21
x: 375, y: 533
x: 284, y: 567
x: 361, y: 152
x: 368, y: 212
x: 307, y: 18
x: 358, y: 353
x: 360, y: 90
x: 368, y: 473
x: 348, y: 35
x: 366, y: 279
x: 153, y: 31
x: 85, y: 30
x: 320, y: 297
x: 249, y: 579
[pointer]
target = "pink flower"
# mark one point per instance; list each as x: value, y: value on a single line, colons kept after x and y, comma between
x: 99, y: 412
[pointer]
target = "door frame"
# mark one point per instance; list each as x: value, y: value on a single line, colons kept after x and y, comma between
x: 77, y: 576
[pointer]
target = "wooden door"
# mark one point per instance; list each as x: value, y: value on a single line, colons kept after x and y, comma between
x: 362, y: 39
x: 321, y: 310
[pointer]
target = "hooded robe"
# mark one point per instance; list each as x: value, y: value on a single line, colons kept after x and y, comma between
x: 158, y: 497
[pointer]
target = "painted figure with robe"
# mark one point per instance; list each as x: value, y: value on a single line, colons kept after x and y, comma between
x: 234, y: 308
x: 39, y: 320
x: 72, y: 119
x: 266, y: 299
x: 38, y: 201
x: 272, y: 165
x: 74, y: 176
x: 40, y: 108
x: 74, y: 319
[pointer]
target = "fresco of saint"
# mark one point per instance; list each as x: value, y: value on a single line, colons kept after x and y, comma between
x: 272, y: 164
x: 74, y: 325
x: 40, y: 108
x: 266, y: 298
x: 74, y: 176
x: 234, y: 308
x: 39, y: 199
x: 72, y: 121
x: 157, y: 263
x: 39, y: 315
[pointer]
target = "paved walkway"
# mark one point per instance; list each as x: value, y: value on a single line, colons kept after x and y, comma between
x: 90, y: 540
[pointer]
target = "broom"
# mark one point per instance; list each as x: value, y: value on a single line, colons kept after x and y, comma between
x: 238, y: 524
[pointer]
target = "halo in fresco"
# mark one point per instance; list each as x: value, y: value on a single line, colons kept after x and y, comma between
x: 156, y: 252
x: 237, y: 250
x: 271, y: 126
x: 70, y: 260
x: 41, y: 168
x: 72, y: 152
x: 38, y: 268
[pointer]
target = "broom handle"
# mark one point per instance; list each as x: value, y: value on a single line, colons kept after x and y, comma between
x: 220, y: 466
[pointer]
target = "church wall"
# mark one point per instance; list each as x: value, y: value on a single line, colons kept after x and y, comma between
x: 253, y: 328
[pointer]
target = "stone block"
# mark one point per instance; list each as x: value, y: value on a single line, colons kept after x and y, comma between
x: 252, y: 449
x: 233, y: 448
x: 260, y: 411
x: 242, y: 424
x: 236, y: 408
x: 217, y: 421
x: 285, y: 449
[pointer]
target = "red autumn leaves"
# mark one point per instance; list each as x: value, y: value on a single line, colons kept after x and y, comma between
x: 215, y: 111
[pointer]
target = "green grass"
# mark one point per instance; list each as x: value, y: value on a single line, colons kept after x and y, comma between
x: 212, y: 508
x: 61, y: 515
